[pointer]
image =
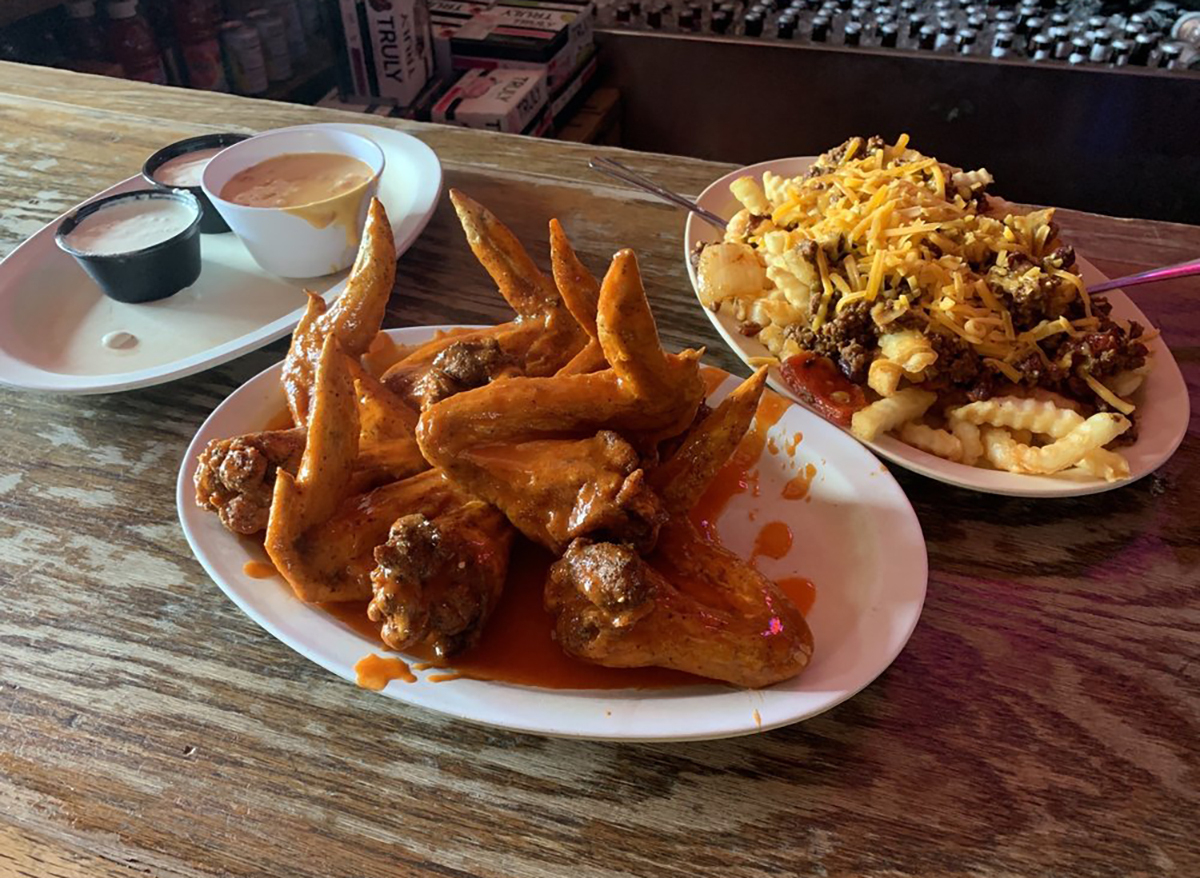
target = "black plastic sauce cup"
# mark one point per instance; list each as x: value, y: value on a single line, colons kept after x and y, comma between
x: 147, y: 274
x: 211, y: 223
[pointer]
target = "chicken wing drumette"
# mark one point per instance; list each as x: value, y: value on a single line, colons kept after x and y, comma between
x: 438, y: 578
x: 690, y: 605
x: 236, y: 477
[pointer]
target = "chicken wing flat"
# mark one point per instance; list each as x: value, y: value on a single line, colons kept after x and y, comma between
x: 438, y: 578
x: 546, y: 451
x: 543, y: 338
x: 387, y: 445
x: 554, y: 333
x: 236, y: 477
x: 687, y: 472
x: 650, y: 392
x: 554, y: 490
x: 581, y: 293
x: 692, y: 606
x: 461, y: 363
x: 354, y: 318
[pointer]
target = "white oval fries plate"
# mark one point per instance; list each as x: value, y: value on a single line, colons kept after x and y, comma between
x: 1162, y: 401
x: 856, y: 537
x: 54, y: 316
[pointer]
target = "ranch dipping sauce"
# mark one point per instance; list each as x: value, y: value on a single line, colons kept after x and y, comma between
x: 130, y: 225
x: 186, y: 169
x: 296, y: 179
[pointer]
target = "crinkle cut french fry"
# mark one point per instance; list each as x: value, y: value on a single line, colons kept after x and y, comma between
x: 1037, y: 415
x: 968, y: 435
x: 890, y: 412
x: 1104, y: 464
x: 909, y: 349
x: 1096, y: 432
x: 884, y: 376
x: 933, y: 441
x: 748, y: 191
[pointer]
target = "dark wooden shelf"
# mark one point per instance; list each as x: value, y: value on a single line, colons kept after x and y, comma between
x: 15, y: 10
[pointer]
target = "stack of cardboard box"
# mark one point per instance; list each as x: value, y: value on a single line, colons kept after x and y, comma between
x: 510, y: 65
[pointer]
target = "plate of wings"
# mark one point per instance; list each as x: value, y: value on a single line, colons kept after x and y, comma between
x: 552, y: 525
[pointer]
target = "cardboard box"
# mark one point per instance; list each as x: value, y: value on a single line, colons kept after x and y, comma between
x: 580, y: 38
x: 387, y: 49
x: 446, y: 17
x: 564, y: 102
x: 419, y: 109
x: 498, y: 100
x: 552, y: 37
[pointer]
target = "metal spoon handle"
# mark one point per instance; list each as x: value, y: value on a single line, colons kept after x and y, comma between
x: 1183, y: 269
x: 616, y: 170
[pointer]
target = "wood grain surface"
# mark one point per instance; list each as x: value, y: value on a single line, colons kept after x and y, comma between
x: 1043, y: 720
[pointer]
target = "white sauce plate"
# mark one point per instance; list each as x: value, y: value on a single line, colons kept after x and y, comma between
x: 53, y: 317
x: 1162, y: 401
x: 856, y: 537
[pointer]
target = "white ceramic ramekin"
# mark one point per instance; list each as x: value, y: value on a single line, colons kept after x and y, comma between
x: 315, y: 239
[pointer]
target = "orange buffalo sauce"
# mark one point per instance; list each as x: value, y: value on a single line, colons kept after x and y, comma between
x: 375, y: 672
x: 281, y: 420
x: 296, y: 179
x: 712, y: 378
x: 797, y: 488
x: 740, y: 474
x: 518, y: 643
x: 383, y: 354
x: 803, y: 592
x: 353, y: 614
x: 259, y: 569
x: 774, y: 540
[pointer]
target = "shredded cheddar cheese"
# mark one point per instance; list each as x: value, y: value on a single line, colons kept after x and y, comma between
x: 910, y: 239
x: 1125, y: 408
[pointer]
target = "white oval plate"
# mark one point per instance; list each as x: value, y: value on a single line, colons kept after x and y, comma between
x: 52, y: 316
x: 857, y: 538
x: 1163, y: 407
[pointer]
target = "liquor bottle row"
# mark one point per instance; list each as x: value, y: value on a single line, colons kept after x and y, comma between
x: 1081, y: 32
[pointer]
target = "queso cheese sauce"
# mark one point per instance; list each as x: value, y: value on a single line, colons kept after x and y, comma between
x: 296, y: 179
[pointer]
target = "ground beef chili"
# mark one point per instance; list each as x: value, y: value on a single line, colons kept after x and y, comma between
x: 1106, y: 352
x: 847, y: 340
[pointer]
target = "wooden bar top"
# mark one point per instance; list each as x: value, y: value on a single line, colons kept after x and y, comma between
x: 1044, y: 720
